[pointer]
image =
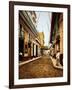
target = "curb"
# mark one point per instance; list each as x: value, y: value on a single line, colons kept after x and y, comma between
x: 22, y: 63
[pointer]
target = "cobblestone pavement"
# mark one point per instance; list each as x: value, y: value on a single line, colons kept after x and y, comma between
x: 41, y: 68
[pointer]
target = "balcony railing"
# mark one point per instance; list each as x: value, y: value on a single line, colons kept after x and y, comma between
x: 29, y: 21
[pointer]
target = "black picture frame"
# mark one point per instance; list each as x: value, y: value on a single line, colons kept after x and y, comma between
x: 11, y: 43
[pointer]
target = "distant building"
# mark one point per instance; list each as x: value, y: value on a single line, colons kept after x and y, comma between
x: 56, y: 34
x: 41, y: 35
x: 29, y: 44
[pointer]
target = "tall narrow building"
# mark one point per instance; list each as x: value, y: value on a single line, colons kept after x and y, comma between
x: 56, y: 34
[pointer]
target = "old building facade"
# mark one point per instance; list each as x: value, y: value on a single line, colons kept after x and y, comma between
x: 56, y: 34
x: 41, y: 36
x: 29, y: 42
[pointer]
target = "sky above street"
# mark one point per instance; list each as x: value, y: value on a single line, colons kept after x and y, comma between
x: 44, y: 25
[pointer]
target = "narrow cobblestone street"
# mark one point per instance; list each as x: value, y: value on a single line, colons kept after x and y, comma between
x: 40, y: 68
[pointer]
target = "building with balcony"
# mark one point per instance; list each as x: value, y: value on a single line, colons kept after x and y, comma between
x: 29, y: 43
x: 56, y: 34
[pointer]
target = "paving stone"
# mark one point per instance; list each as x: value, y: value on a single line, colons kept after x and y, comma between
x: 40, y: 68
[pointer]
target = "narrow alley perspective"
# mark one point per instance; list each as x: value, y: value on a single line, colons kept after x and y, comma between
x: 40, y: 44
x: 40, y: 68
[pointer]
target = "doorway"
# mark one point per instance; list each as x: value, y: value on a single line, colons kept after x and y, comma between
x: 36, y: 50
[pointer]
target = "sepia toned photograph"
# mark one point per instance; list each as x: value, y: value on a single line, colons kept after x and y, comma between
x: 39, y: 44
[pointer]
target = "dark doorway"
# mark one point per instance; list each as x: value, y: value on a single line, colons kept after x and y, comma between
x: 36, y: 50
x: 21, y: 46
x: 33, y: 49
x: 21, y: 41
